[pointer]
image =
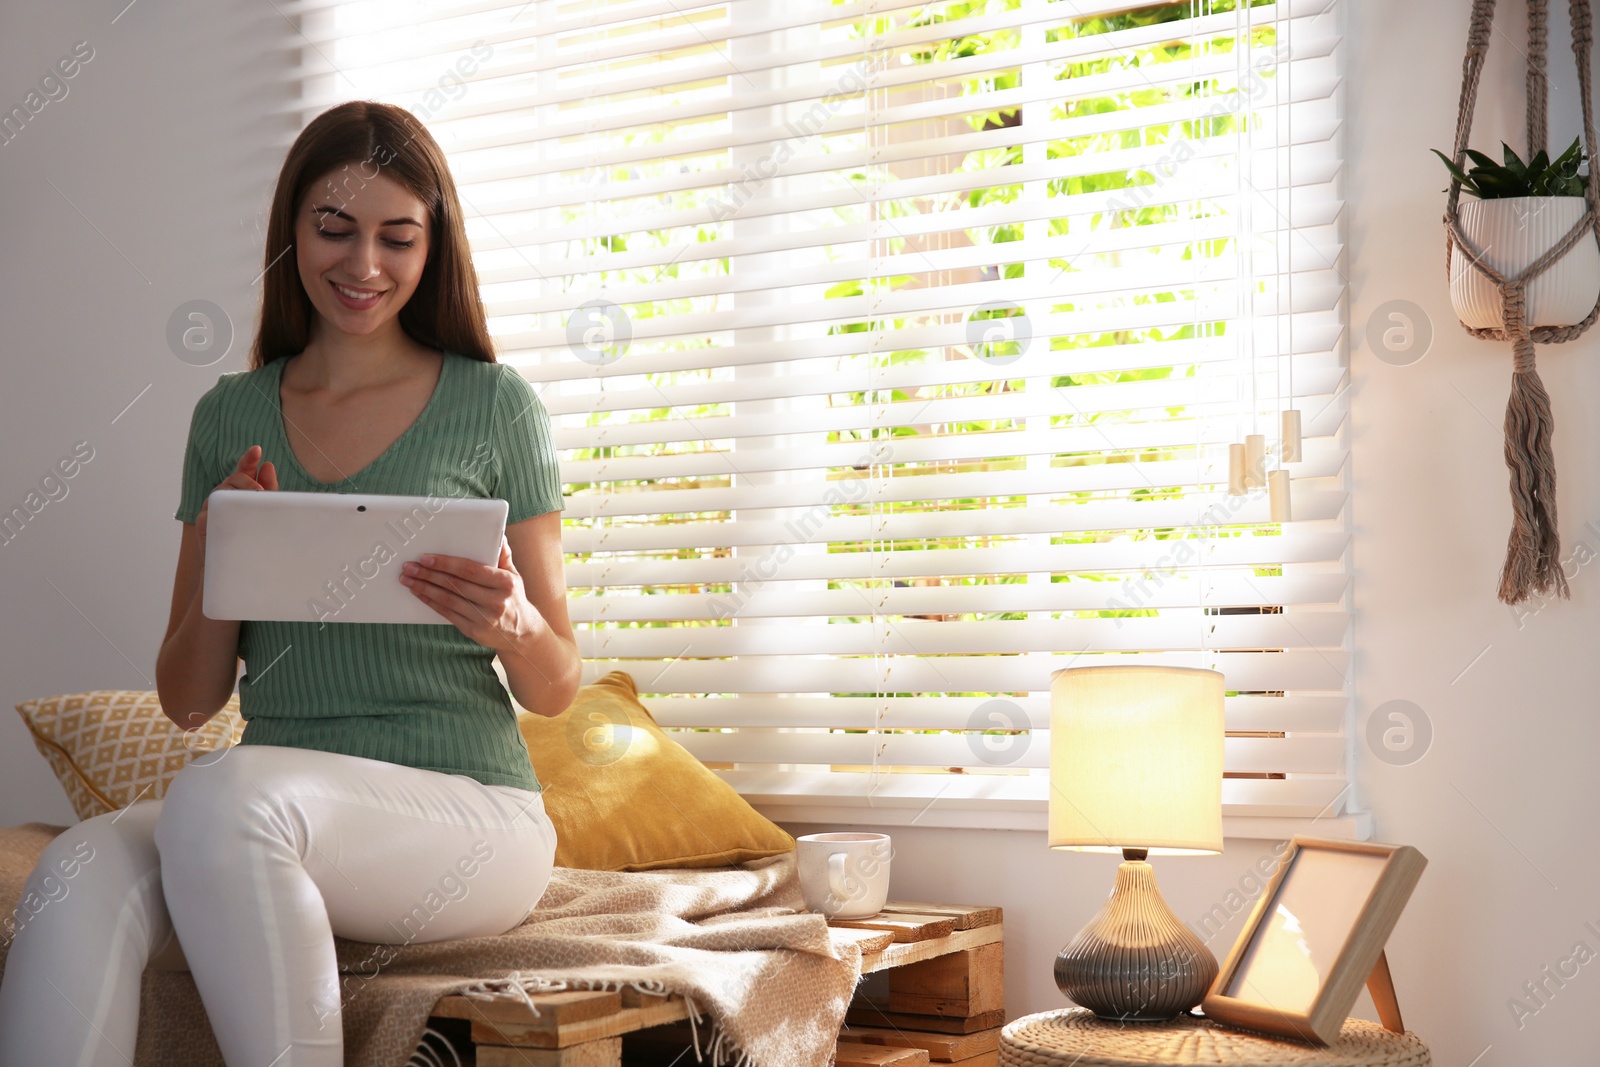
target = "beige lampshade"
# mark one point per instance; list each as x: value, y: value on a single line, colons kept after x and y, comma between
x: 1136, y: 759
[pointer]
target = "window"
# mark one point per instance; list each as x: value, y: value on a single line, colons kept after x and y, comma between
x: 895, y: 351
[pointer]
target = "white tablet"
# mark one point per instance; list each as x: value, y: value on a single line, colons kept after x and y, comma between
x: 281, y: 556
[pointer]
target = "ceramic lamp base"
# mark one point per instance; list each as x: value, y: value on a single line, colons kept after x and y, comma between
x: 1136, y: 961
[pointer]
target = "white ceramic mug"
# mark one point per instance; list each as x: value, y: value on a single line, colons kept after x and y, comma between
x: 844, y: 875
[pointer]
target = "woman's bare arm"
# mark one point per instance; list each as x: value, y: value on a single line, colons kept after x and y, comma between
x: 199, y: 658
x: 545, y: 669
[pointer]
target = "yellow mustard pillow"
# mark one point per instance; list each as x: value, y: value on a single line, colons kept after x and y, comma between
x: 626, y: 797
x: 112, y: 747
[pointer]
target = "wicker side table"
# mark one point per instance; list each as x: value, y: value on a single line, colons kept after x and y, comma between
x: 1074, y: 1036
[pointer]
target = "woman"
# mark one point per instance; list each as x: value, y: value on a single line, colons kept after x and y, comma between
x: 381, y: 790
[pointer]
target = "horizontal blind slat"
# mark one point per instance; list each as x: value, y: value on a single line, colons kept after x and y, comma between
x: 835, y: 376
x: 1297, y: 544
x: 1210, y: 279
x: 1286, y: 714
x: 545, y: 247
x: 1076, y: 400
x: 1314, y: 133
x: 1212, y: 432
x: 1305, y: 797
x: 1241, y: 755
x: 1248, y: 671
x: 1206, y: 509
x: 1210, y: 302
x: 1226, y: 590
x: 1322, y: 459
x: 1316, y: 335
x: 910, y: 637
x: 589, y: 218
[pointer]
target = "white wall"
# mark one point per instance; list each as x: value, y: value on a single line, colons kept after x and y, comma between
x: 1504, y: 803
x: 155, y: 148
x: 134, y: 193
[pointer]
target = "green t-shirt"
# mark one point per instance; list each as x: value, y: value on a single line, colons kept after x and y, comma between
x: 415, y: 694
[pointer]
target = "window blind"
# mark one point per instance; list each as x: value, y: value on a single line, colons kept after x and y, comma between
x: 894, y: 351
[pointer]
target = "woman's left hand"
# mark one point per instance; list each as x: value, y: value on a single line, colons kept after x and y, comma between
x: 487, y: 604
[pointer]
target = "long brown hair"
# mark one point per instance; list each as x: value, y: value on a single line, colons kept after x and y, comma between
x: 368, y: 138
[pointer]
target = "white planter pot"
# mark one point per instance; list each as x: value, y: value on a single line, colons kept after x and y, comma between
x: 1513, y: 232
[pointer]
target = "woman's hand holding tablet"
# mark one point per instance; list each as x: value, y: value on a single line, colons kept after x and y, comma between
x: 251, y: 473
x: 487, y: 603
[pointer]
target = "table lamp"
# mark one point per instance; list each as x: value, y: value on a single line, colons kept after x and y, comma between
x: 1136, y: 768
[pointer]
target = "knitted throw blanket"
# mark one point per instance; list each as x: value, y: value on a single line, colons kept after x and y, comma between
x: 732, y: 940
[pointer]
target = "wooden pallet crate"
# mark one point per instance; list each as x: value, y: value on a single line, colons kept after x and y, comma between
x: 948, y: 1008
x: 584, y: 1028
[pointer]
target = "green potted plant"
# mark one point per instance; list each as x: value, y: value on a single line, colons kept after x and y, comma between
x: 1520, y: 211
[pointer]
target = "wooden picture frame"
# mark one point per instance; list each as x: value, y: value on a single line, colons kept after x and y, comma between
x: 1315, y: 936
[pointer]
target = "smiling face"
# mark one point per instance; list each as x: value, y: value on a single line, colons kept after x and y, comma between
x: 361, y: 251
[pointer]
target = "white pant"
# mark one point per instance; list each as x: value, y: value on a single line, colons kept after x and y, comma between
x: 243, y: 872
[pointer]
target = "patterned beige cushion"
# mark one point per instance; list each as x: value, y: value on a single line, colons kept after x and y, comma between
x: 111, y: 747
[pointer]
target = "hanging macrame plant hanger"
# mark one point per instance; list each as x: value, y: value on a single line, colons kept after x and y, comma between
x: 1533, y: 551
